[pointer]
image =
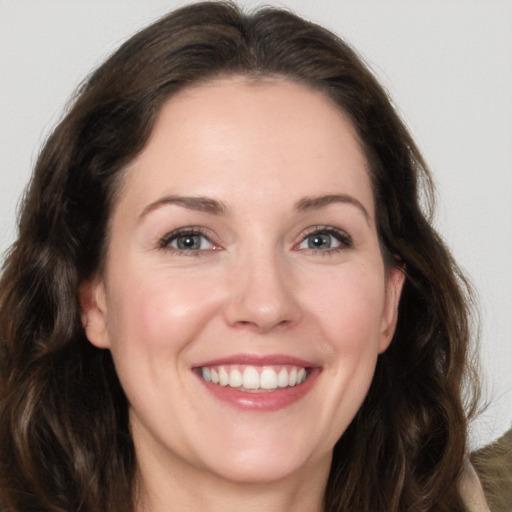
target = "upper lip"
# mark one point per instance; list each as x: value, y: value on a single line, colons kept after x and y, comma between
x: 258, y: 360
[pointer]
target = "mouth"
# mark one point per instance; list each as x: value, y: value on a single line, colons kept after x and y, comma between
x: 253, y: 378
x: 258, y: 383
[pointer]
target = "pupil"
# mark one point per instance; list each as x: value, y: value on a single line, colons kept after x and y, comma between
x: 319, y: 241
x: 188, y: 242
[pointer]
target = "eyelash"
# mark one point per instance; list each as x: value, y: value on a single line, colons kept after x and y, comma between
x: 344, y: 240
x: 165, y: 242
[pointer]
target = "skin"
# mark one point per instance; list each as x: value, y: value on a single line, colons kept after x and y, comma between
x: 255, y: 286
x: 472, y: 491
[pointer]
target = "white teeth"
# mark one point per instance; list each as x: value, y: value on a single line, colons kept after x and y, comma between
x: 251, y: 379
x: 235, y: 379
x: 207, y: 374
x: 254, y: 378
x: 268, y: 379
x: 282, y: 378
x: 223, y: 376
x: 292, y: 378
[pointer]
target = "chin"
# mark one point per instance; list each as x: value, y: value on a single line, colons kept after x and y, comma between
x: 264, y: 462
x: 260, y: 471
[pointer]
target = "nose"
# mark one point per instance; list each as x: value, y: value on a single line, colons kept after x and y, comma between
x: 263, y: 294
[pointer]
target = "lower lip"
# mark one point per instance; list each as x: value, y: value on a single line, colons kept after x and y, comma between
x: 264, y: 401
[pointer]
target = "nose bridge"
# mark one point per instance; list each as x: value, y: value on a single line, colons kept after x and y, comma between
x: 262, y: 289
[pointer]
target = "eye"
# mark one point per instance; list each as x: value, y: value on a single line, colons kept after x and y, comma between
x: 325, y: 239
x: 189, y: 240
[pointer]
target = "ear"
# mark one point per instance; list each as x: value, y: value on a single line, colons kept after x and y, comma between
x: 394, y: 283
x: 93, y: 306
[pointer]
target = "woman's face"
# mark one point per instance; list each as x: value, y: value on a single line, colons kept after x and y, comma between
x: 244, y: 297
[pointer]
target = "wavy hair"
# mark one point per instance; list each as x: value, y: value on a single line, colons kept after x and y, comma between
x: 65, y: 441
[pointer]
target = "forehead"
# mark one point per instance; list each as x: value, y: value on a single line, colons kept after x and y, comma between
x: 252, y: 104
x: 236, y: 134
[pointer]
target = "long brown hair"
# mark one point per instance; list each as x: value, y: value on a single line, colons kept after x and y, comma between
x: 65, y: 442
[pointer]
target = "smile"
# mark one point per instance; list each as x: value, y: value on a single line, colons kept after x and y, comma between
x: 255, y: 378
x: 258, y: 383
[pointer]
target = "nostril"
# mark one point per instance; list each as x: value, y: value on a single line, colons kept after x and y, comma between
x: 262, y: 326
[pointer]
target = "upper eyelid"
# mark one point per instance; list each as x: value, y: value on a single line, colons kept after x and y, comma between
x: 165, y: 240
x: 324, y: 228
x: 344, y: 240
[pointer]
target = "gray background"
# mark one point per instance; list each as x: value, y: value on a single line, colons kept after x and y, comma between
x: 446, y: 63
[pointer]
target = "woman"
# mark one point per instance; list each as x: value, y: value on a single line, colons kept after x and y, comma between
x: 224, y: 292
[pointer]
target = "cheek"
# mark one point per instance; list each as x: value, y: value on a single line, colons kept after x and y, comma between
x: 346, y: 307
x: 153, y: 318
x: 349, y: 306
x: 156, y: 310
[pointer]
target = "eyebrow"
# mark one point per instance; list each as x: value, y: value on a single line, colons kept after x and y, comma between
x: 200, y: 204
x: 317, y: 202
x: 215, y: 207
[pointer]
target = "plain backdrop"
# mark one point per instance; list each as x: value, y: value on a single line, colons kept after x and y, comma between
x: 446, y: 63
